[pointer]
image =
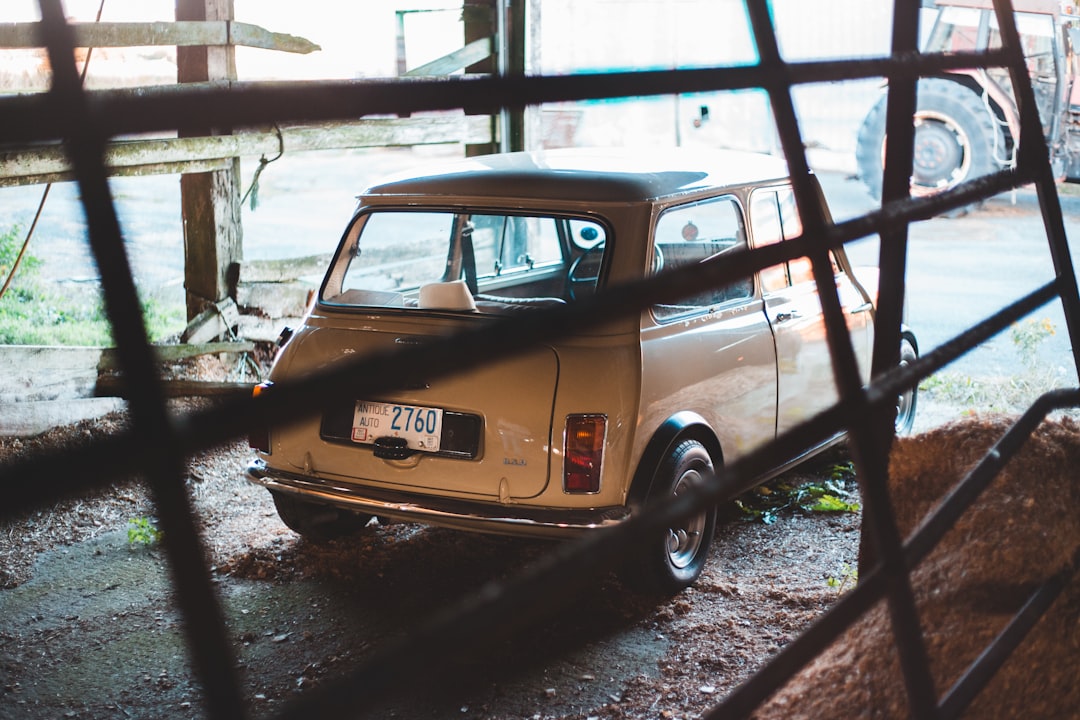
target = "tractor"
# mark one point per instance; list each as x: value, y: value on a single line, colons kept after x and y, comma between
x: 966, y: 121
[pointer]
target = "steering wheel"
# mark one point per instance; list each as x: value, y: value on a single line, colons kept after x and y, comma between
x: 584, y: 272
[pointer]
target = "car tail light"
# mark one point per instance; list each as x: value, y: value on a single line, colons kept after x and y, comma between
x: 583, y: 453
x: 259, y: 434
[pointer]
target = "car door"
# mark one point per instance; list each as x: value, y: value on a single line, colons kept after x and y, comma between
x: 712, y: 352
x: 805, y: 381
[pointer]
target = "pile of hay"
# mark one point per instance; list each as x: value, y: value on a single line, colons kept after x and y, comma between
x: 1022, y: 530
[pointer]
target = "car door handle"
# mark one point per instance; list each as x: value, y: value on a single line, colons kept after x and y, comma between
x: 786, y: 316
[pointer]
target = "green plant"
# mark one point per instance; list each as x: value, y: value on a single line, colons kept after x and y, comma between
x: 142, y: 531
x: 1028, y: 336
x: 1004, y: 393
x: 35, y: 312
x: 11, y: 241
x: 848, y: 576
x: 766, y: 502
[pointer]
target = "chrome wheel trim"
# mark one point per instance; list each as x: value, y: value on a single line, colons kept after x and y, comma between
x: 684, y: 541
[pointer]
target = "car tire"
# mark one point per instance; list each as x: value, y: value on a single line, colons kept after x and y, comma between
x: 316, y: 522
x: 906, y: 401
x: 957, y: 139
x: 672, y: 561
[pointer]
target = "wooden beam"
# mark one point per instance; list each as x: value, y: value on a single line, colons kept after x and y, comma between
x: 26, y: 419
x: 478, y: 19
x: 281, y: 271
x: 114, y: 386
x: 209, y: 202
x: 216, y: 321
x: 177, y: 34
x: 474, y: 52
x: 23, y: 166
x: 36, y: 372
x: 173, y: 353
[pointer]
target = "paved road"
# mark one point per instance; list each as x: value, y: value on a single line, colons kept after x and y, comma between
x: 963, y: 269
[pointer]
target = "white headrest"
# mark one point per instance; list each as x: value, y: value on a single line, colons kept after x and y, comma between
x: 453, y: 295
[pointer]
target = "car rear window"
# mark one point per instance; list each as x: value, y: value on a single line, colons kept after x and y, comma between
x: 458, y: 260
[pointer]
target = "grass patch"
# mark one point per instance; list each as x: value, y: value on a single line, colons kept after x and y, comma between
x: 1004, y: 393
x: 36, y: 312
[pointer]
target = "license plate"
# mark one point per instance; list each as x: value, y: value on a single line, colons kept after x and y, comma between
x: 421, y: 427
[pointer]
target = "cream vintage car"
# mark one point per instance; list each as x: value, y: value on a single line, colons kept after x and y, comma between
x: 579, y: 433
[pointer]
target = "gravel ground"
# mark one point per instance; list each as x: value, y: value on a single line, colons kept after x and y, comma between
x: 89, y: 629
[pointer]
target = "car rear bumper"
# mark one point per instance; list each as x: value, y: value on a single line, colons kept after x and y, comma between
x: 448, y: 512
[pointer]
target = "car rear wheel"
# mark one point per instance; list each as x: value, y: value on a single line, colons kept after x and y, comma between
x: 316, y: 522
x: 673, y: 560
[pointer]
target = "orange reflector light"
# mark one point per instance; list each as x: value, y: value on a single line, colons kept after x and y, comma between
x: 584, y: 453
x: 259, y: 435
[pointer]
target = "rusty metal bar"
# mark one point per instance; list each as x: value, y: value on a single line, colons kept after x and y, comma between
x: 869, y: 446
x: 32, y: 117
x: 204, y: 621
x: 1034, y: 153
x: 979, y: 674
x: 159, y: 445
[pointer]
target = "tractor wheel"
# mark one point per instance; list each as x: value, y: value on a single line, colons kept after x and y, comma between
x: 957, y: 138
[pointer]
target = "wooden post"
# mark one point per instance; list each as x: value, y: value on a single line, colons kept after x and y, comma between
x: 513, y: 49
x: 210, y: 201
x: 505, y: 21
x: 480, y: 22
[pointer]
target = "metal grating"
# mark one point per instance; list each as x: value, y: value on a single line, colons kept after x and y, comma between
x: 157, y: 444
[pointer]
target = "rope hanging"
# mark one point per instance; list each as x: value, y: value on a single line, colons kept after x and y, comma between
x: 45, y: 194
x: 253, y: 189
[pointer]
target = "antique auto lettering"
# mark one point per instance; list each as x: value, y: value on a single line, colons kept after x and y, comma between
x: 421, y: 427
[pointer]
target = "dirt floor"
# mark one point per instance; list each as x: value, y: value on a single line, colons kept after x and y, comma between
x: 88, y: 628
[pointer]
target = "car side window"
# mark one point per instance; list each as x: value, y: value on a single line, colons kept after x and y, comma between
x: 775, y: 218
x: 765, y: 222
x: 693, y: 233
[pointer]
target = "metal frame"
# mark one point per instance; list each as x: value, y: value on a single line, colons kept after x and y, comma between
x: 157, y: 444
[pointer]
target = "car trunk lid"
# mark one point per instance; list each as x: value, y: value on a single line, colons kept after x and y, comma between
x: 486, y: 432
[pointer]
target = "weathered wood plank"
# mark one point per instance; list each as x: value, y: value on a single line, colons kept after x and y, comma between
x: 178, y: 168
x: 114, y: 386
x: 44, y: 163
x: 26, y: 419
x: 258, y: 37
x: 186, y: 33
x: 277, y: 271
x: 172, y: 353
x: 276, y: 299
x: 39, y: 373
x: 213, y: 322
x: 460, y: 59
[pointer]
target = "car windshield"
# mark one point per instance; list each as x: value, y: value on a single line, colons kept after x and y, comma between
x: 463, y: 260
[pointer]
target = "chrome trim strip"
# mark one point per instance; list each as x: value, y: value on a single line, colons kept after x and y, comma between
x: 460, y: 514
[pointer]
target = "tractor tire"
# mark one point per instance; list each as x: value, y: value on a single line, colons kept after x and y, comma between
x: 957, y: 138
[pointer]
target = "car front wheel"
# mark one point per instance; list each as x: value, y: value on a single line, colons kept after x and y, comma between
x: 906, y: 401
x: 316, y: 522
x: 673, y: 560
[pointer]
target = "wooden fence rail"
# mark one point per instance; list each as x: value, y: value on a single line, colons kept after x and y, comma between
x: 190, y: 33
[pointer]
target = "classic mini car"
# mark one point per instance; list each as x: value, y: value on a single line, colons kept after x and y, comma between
x: 579, y: 433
